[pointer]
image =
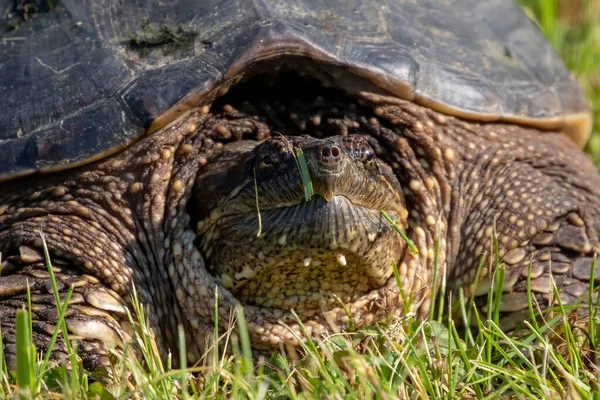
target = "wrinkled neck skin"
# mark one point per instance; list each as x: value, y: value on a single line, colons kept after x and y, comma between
x: 155, y: 208
x: 222, y: 254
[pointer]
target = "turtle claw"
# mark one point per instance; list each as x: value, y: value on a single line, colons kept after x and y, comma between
x: 93, y: 318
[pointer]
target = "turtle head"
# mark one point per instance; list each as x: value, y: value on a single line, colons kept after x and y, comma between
x: 295, y: 220
x: 301, y: 167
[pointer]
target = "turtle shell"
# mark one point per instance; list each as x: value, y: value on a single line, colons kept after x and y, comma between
x: 82, y: 79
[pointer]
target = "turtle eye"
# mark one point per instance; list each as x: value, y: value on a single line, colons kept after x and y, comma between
x: 267, y: 160
x: 367, y: 155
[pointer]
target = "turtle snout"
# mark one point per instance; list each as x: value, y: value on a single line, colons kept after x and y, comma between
x: 331, y: 154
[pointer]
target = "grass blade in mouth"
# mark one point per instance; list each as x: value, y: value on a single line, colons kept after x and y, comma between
x: 411, y: 245
x: 304, y: 173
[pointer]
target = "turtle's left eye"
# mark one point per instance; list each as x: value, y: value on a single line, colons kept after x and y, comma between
x: 367, y: 155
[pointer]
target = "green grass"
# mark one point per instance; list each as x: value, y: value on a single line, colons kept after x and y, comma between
x: 404, y: 358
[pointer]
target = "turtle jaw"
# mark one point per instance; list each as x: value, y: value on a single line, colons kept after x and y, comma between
x: 309, y: 254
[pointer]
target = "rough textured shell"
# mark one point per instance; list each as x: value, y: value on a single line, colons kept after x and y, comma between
x: 74, y: 88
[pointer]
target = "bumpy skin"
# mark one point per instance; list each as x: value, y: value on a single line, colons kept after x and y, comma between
x: 133, y: 219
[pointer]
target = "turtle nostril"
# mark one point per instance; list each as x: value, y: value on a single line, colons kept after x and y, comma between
x: 330, y: 152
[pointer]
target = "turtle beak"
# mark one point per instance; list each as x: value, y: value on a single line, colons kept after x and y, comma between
x: 326, y: 190
x: 326, y: 166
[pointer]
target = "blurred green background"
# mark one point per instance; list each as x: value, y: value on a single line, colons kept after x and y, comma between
x: 573, y: 29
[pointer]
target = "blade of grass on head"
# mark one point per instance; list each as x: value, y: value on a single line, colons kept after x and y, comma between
x: 304, y: 173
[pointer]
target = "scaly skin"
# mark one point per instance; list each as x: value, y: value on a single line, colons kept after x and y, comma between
x: 133, y: 219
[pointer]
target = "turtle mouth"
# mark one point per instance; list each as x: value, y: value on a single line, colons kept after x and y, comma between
x: 306, y: 257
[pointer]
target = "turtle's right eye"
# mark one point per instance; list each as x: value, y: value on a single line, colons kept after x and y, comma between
x: 267, y: 160
x: 270, y: 154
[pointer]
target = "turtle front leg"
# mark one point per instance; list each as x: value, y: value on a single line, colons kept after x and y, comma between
x: 541, y: 194
x: 94, y: 318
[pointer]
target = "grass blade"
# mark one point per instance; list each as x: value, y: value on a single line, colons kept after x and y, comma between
x: 182, y: 361
x: 257, y: 206
x: 304, y: 173
x: 244, y: 339
x: 409, y: 243
x: 25, y: 355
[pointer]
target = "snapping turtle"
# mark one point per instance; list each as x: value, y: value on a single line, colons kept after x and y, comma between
x: 247, y: 150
